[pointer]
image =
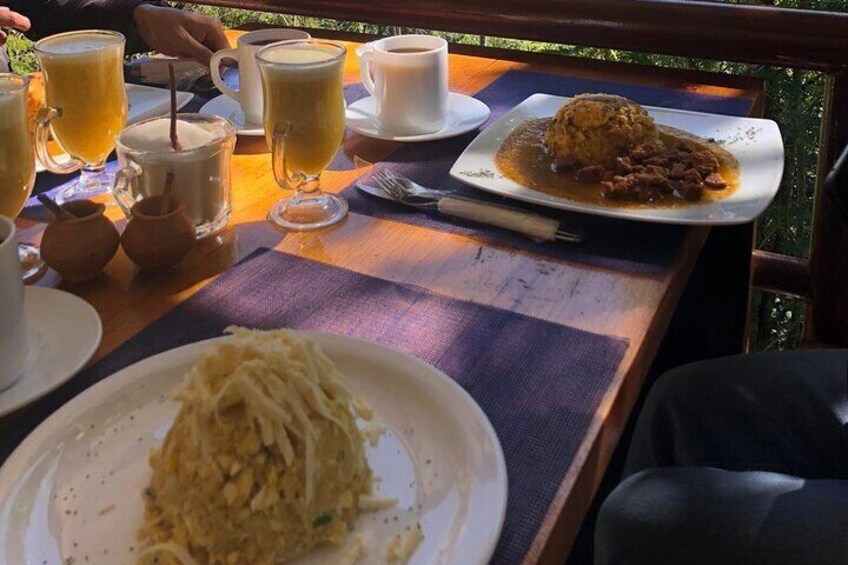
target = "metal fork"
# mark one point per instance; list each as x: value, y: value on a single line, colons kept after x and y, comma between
x: 406, y: 191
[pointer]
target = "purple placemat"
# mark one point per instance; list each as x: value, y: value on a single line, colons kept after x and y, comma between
x: 538, y: 382
x: 618, y: 245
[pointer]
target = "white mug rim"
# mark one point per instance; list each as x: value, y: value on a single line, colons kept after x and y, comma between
x: 380, y: 44
x: 242, y: 42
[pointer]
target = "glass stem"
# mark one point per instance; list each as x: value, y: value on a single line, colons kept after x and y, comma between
x: 32, y: 265
x: 92, y: 181
x: 309, y: 188
x: 90, y: 174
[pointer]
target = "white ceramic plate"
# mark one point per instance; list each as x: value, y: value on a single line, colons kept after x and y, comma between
x: 144, y: 102
x: 755, y: 143
x: 73, y: 487
x: 464, y: 114
x: 229, y: 109
x: 64, y: 332
x: 148, y: 101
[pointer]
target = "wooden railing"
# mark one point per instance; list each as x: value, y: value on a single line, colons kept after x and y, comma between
x: 748, y: 34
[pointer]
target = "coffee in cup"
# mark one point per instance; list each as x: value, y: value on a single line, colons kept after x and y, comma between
x: 408, y: 77
x: 249, y: 94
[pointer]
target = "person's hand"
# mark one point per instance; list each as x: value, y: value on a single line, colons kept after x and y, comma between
x: 14, y: 20
x: 179, y: 33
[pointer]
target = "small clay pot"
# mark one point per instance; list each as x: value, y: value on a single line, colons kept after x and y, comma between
x: 156, y: 241
x: 78, y: 249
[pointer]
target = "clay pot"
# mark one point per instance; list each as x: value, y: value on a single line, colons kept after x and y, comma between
x: 78, y: 249
x: 156, y: 241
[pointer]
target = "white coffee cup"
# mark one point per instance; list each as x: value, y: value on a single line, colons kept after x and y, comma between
x: 408, y: 77
x: 13, y: 335
x: 249, y: 94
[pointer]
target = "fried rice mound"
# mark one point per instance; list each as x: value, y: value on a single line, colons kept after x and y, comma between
x: 594, y: 129
x: 264, y: 460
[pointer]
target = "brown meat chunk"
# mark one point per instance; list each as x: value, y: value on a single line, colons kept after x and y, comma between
x: 704, y: 162
x: 651, y: 171
x: 691, y: 191
x: 623, y: 166
x: 591, y: 175
x: 715, y: 181
x: 678, y: 171
x: 638, y: 187
x: 645, y: 151
x: 692, y: 176
x: 657, y: 161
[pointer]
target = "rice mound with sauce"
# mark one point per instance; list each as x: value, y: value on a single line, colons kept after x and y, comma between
x: 594, y: 129
x: 264, y: 460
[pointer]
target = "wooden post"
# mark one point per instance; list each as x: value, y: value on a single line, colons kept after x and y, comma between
x: 828, y: 316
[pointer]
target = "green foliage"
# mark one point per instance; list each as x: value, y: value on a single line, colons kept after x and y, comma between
x: 20, y: 53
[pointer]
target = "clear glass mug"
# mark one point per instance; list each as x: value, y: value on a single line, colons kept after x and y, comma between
x: 86, y: 105
x: 304, y: 126
x: 201, y: 170
x: 17, y: 161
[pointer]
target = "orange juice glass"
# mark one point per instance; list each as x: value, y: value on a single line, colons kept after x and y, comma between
x: 304, y: 126
x: 86, y: 104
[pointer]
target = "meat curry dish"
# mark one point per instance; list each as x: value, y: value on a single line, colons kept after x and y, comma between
x: 607, y: 150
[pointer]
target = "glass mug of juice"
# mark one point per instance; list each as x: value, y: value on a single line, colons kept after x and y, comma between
x: 86, y: 105
x: 304, y: 126
x: 17, y: 164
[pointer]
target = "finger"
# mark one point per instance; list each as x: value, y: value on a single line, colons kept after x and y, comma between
x: 197, y: 51
x: 2, y: 38
x: 14, y: 20
x: 217, y: 39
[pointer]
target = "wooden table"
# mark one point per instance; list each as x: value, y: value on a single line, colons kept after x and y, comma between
x: 632, y: 307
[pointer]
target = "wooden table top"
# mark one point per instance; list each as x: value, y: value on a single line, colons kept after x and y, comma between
x: 636, y: 308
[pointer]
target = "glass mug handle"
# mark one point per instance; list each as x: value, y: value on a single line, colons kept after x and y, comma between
x: 126, y: 181
x: 297, y: 181
x: 215, y: 71
x: 42, y: 137
x: 278, y: 156
x: 366, y: 55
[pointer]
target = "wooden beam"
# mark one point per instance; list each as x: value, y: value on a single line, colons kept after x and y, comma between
x: 781, y: 274
x: 750, y: 34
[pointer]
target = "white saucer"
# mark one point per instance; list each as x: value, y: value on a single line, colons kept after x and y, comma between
x: 464, y: 114
x: 229, y: 109
x: 64, y: 332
